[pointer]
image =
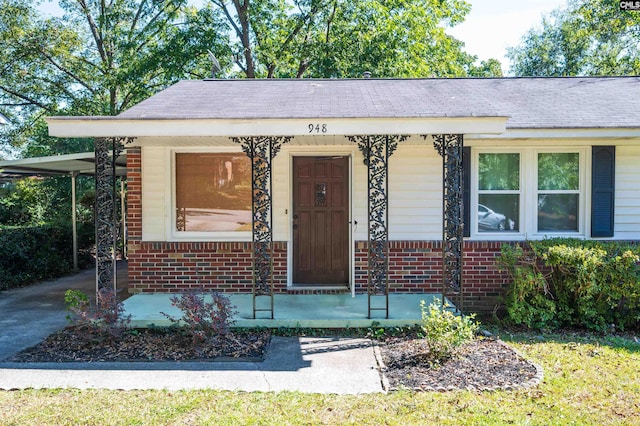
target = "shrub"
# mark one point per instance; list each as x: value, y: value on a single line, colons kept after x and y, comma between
x: 444, y: 331
x: 33, y: 253
x: 201, y: 319
x: 106, y: 316
x: 569, y: 282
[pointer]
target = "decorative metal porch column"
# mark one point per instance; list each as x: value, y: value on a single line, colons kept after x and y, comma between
x: 376, y: 150
x: 261, y: 150
x: 450, y: 149
x: 107, y: 151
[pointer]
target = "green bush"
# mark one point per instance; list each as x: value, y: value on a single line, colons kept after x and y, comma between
x: 444, y: 331
x: 33, y: 253
x: 570, y: 282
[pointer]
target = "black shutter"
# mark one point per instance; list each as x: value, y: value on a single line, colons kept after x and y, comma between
x: 466, y: 190
x: 603, y: 169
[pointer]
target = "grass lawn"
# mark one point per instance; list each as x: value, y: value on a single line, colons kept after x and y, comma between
x: 588, y: 380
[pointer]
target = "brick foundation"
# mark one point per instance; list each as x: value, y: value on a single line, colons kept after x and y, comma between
x: 416, y: 266
x: 172, y: 267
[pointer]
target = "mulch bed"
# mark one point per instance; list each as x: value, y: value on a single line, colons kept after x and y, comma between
x: 154, y: 344
x: 483, y: 364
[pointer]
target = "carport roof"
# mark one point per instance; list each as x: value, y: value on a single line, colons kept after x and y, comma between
x: 81, y: 164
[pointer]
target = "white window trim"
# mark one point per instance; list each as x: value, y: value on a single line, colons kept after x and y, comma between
x: 582, y: 187
x: 211, y: 236
x: 529, y: 193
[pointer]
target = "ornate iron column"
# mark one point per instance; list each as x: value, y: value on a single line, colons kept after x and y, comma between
x: 450, y: 149
x: 261, y: 150
x: 376, y: 150
x: 107, y: 151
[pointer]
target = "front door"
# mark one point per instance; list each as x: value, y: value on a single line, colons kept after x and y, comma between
x: 321, y: 220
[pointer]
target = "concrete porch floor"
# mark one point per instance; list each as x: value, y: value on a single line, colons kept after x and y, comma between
x: 293, y: 310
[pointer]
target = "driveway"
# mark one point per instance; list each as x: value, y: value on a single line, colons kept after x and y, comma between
x: 29, y: 314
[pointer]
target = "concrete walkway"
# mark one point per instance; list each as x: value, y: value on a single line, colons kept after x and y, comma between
x: 304, y: 364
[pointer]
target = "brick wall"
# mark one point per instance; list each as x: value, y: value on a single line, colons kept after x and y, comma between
x: 176, y: 266
x: 416, y: 266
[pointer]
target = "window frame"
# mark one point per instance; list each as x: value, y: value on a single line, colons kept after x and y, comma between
x: 173, y: 232
x: 478, y: 192
x: 580, y: 191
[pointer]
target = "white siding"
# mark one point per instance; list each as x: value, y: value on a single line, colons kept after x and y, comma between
x: 156, y: 184
x: 627, y: 222
x: 415, y: 187
x: 415, y: 193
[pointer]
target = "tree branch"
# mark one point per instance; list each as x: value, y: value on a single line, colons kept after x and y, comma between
x: 25, y: 98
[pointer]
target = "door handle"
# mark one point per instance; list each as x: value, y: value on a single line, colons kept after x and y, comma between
x: 295, y: 216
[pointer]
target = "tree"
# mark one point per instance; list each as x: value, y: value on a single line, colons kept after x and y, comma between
x: 344, y: 38
x: 99, y: 58
x: 588, y: 37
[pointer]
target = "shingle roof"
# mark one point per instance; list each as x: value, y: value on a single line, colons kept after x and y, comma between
x: 562, y: 102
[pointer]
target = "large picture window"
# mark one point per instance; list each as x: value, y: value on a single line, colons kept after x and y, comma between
x: 213, y: 192
x: 498, y: 192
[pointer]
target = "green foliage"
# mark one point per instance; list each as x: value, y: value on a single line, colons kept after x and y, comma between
x: 569, y: 282
x: 106, y: 317
x: 588, y: 37
x: 201, y: 319
x: 97, y: 59
x: 75, y: 300
x: 444, y: 331
x: 498, y: 171
x: 31, y: 254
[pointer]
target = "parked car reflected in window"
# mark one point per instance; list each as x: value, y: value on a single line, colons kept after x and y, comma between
x: 488, y: 220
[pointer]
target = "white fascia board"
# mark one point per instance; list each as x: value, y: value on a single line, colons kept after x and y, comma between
x: 113, y: 127
x: 576, y: 133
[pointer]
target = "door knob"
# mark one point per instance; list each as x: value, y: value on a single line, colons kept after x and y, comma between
x: 295, y: 216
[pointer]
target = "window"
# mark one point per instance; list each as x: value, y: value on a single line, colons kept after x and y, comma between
x: 498, y: 192
x: 213, y: 192
x: 530, y: 191
x: 558, y: 191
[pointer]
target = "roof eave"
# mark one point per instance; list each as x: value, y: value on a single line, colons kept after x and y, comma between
x: 76, y: 127
x: 564, y: 133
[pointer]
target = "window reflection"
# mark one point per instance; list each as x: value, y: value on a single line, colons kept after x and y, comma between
x: 558, y: 212
x: 213, y: 192
x: 498, y: 212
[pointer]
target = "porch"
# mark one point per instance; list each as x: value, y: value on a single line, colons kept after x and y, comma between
x: 292, y: 310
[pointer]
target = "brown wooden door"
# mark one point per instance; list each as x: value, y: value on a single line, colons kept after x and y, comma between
x: 320, y: 220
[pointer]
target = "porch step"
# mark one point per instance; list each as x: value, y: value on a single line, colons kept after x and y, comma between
x: 292, y: 310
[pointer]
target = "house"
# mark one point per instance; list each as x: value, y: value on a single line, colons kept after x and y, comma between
x: 366, y: 185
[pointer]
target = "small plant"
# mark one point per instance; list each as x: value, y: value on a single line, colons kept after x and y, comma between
x: 443, y: 331
x: 203, y: 320
x: 75, y: 300
x: 107, y: 315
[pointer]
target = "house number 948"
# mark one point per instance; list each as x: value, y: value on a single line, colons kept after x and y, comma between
x: 317, y: 128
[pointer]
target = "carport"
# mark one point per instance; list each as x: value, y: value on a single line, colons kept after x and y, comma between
x: 72, y: 165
